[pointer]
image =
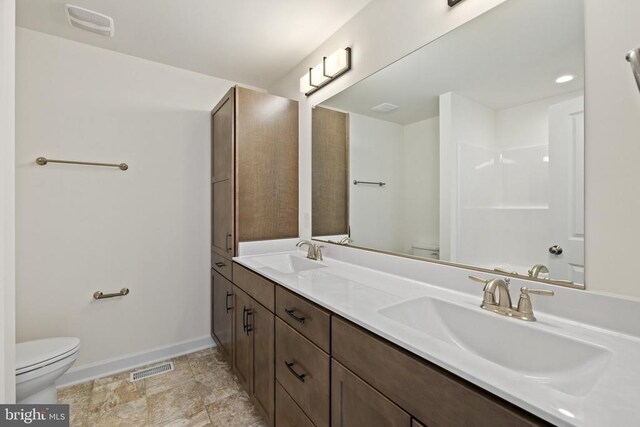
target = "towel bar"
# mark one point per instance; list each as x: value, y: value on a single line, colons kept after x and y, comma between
x: 100, y: 295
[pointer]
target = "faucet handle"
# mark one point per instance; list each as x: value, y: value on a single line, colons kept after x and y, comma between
x: 479, y: 279
x: 524, y: 309
x: 318, y: 249
x: 543, y: 292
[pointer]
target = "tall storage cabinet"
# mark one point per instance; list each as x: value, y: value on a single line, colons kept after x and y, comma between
x: 254, y: 196
x: 254, y: 171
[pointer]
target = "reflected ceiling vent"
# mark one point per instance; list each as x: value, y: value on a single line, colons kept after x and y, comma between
x: 89, y: 20
x: 385, y: 107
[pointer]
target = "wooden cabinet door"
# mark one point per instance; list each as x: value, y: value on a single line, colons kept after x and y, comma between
x: 222, y: 135
x: 243, y: 350
x: 355, y: 403
x: 266, y: 156
x: 261, y: 326
x: 222, y: 312
x: 222, y: 228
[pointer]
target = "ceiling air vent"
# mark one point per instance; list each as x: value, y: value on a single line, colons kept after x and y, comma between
x: 385, y: 108
x: 89, y: 20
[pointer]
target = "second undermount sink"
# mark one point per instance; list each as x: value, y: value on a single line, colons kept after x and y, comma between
x: 288, y: 263
x: 566, y: 364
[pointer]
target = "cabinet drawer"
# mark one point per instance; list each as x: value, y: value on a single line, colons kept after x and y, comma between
x: 288, y: 413
x: 303, y: 371
x: 305, y: 317
x: 255, y: 285
x: 429, y: 393
x: 222, y: 265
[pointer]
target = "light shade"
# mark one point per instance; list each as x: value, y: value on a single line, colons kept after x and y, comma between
x: 337, y: 62
x: 332, y: 66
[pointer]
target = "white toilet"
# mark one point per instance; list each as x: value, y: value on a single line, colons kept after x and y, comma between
x: 39, y: 364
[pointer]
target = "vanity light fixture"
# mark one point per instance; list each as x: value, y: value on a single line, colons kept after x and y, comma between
x: 331, y: 67
x: 565, y: 79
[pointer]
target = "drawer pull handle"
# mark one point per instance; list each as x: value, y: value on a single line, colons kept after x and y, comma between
x: 291, y: 312
x: 221, y: 264
x: 297, y: 375
x: 226, y: 301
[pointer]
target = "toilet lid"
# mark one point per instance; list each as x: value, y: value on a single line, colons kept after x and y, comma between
x: 33, y: 354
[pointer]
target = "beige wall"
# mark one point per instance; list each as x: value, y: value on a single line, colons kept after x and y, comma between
x: 82, y: 229
x: 386, y: 30
x: 7, y: 201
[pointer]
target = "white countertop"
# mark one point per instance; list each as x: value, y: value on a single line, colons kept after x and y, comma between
x: 358, y: 293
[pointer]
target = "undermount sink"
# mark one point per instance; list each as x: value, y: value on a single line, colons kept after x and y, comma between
x: 566, y: 364
x: 288, y: 263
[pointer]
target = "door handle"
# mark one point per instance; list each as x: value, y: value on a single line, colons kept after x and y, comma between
x: 249, y: 327
x: 226, y: 301
x: 293, y: 371
x: 555, y: 250
x: 229, y: 247
x: 291, y: 312
x: 244, y: 318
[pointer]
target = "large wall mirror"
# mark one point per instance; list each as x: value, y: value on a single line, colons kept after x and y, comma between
x: 469, y: 150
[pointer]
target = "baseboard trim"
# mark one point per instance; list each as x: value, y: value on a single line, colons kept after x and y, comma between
x: 108, y: 367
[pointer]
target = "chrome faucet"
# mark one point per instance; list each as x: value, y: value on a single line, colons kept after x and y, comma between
x: 314, y: 252
x: 537, y: 269
x: 524, y: 310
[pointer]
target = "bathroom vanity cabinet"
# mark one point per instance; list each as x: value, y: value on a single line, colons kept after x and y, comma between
x: 306, y: 366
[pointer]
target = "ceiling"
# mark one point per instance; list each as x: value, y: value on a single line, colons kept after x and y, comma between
x: 506, y: 57
x: 255, y: 42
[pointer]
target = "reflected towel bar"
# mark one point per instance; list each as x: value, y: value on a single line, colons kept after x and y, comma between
x: 43, y: 161
x: 356, y: 182
x: 100, y: 295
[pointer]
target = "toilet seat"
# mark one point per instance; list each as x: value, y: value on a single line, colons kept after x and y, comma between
x: 32, y: 355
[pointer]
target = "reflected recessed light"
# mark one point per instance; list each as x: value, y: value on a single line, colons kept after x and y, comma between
x: 565, y: 79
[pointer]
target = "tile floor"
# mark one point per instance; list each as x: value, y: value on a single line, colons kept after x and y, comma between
x: 200, y: 391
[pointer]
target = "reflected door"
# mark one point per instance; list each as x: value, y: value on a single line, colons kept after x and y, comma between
x: 566, y: 207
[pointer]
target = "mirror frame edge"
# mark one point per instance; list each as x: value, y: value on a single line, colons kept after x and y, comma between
x: 577, y: 286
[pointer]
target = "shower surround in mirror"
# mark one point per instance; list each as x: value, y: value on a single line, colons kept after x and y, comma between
x: 482, y: 156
